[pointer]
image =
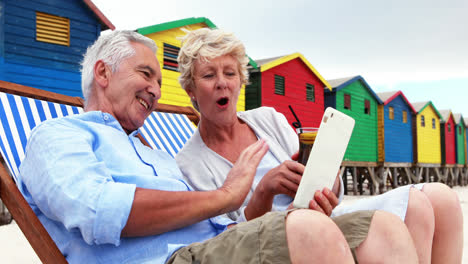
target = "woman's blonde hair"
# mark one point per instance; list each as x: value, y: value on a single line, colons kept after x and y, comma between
x: 204, y: 45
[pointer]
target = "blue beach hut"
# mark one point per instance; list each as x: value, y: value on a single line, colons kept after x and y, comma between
x: 42, y: 42
x: 395, y: 128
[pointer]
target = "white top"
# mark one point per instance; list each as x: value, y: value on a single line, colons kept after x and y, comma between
x: 206, y: 170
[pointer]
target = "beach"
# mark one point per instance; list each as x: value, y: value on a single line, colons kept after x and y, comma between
x: 15, y: 249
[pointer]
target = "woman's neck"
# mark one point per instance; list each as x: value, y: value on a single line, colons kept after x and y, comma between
x: 214, y: 133
x: 229, y: 139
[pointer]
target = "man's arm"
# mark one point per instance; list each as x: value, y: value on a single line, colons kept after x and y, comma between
x: 155, y: 212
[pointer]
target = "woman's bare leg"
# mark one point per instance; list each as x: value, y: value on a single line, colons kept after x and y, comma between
x: 420, y: 222
x: 448, y: 233
x: 388, y: 241
x: 314, y: 237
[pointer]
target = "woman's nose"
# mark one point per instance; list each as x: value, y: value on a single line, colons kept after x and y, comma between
x: 221, y: 82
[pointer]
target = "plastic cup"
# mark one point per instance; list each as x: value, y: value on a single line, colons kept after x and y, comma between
x: 307, y: 137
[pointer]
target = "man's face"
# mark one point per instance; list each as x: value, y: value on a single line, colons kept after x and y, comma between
x: 134, y: 89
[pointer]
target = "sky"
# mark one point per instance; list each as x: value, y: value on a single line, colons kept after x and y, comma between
x: 417, y: 46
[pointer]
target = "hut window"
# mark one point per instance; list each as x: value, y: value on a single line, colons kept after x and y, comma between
x: 449, y: 127
x: 434, y: 123
x: 423, y: 121
x: 405, y: 116
x: 367, y: 107
x: 310, y: 92
x: 52, y: 29
x: 170, y: 57
x: 347, y: 101
x: 391, y: 114
x: 459, y: 130
x: 279, y: 84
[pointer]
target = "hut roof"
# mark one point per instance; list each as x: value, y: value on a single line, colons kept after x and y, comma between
x: 182, y: 23
x: 105, y: 23
x: 458, y: 118
x: 387, y: 97
x: 262, y: 62
x: 446, y: 113
x: 266, y: 64
x: 338, y: 84
x: 420, y: 106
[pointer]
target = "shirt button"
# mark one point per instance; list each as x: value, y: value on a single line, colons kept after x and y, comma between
x: 106, y: 117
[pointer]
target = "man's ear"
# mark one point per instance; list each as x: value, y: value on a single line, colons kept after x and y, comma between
x: 101, y: 73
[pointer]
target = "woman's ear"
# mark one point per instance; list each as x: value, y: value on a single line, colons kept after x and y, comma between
x: 191, y: 94
x: 101, y: 74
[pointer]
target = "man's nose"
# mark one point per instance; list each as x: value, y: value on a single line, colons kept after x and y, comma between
x: 155, y: 90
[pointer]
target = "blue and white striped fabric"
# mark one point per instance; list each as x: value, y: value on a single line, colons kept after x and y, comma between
x: 167, y: 131
x: 18, y: 116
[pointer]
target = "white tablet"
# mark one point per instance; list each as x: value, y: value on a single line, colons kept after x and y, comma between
x: 326, y: 156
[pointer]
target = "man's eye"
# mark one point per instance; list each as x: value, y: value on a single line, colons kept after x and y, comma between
x: 147, y: 74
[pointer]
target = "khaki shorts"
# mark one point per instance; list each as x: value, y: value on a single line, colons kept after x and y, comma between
x: 263, y: 240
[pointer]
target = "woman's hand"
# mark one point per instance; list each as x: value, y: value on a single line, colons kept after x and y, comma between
x: 324, y: 201
x: 283, y: 179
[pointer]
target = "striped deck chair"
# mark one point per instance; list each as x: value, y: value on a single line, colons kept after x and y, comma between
x: 19, y: 115
x: 167, y: 132
x: 22, y: 108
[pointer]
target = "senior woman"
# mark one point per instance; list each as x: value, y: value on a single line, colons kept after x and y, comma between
x: 213, y: 65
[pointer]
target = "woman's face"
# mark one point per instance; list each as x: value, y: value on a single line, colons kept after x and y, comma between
x: 217, y: 87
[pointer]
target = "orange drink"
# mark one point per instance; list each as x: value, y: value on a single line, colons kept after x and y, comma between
x: 306, y: 141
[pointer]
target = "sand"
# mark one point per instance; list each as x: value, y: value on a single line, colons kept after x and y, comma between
x: 15, y: 249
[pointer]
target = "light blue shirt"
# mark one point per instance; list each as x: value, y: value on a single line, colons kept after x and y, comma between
x: 79, y: 175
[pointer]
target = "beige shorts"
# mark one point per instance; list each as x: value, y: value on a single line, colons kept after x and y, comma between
x: 263, y: 240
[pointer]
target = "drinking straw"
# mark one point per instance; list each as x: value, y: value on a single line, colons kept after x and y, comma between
x: 298, y: 123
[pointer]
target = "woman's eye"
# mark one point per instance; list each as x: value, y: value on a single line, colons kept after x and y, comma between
x: 206, y: 76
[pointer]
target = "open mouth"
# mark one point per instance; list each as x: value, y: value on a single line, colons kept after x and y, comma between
x: 223, y: 101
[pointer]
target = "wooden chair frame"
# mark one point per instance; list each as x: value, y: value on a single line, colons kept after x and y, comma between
x: 32, y: 228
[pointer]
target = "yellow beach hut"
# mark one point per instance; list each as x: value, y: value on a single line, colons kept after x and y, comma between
x: 166, y: 36
x: 427, y: 149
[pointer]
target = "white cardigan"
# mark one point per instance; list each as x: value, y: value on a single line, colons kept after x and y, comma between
x: 205, y: 170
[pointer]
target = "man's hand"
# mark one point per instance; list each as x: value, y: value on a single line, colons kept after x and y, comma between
x: 151, y: 208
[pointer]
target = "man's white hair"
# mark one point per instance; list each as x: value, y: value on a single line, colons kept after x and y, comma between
x: 112, y: 49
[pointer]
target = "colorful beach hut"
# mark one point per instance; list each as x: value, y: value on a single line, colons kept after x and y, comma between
x: 286, y: 81
x: 460, y: 139
x: 427, y: 148
x: 354, y: 97
x: 464, y: 180
x: 42, y: 42
x: 166, y: 36
x: 395, y: 129
x: 447, y: 137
